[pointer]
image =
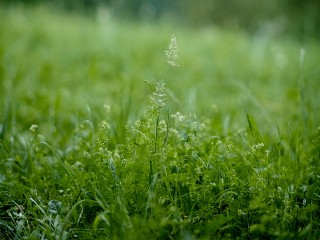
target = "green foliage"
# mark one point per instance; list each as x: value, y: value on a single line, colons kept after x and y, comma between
x: 93, y: 145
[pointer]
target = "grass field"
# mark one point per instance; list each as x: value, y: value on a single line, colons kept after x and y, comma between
x: 100, y: 138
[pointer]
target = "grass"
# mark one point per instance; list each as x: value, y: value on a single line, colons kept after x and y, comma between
x: 101, y: 139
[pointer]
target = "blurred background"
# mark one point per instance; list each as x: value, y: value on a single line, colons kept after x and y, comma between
x: 235, y: 57
x: 297, y: 18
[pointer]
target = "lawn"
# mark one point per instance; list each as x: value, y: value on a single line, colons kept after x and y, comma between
x: 101, y: 138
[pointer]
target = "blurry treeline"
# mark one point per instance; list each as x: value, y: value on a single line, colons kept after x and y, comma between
x: 296, y: 17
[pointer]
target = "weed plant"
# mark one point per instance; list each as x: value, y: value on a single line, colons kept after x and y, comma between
x: 222, y: 143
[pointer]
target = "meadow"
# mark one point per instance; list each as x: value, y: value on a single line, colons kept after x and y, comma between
x: 102, y: 138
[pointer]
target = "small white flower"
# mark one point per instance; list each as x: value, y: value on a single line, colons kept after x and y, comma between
x: 34, y: 128
x: 241, y: 212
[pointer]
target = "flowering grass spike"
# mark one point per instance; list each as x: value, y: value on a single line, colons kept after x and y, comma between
x: 172, y: 52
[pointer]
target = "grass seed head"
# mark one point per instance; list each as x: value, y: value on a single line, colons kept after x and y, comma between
x: 172, y: 52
